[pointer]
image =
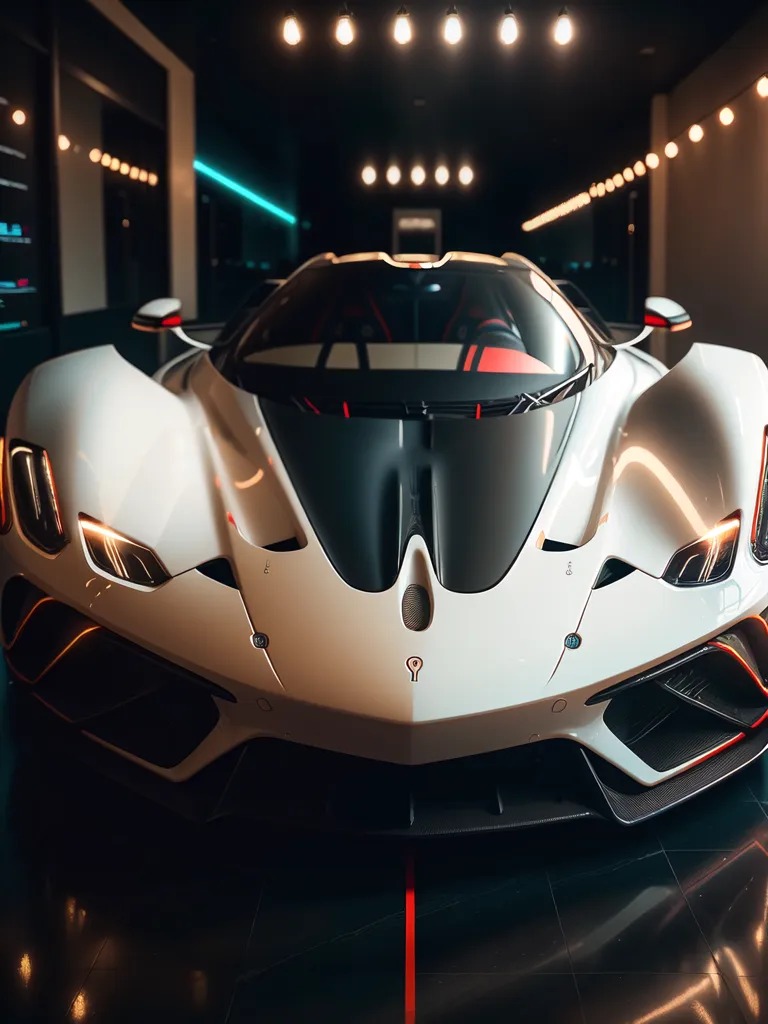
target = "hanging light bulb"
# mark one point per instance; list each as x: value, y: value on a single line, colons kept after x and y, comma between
x: 629, y: 174
x: 618, y: 180
x: 452, y: 31
x: 393, y: 174
x: 442, y: 175
x: 671, y: 150
x: 609, y: 186
x: 563, y: 33
x: 695, y: 133
x: 291, y: 29
x: 418, y: 175
x: 508, y: 32
x: 652, y: 160
x: 639, y: 168
x: 762, y: 87
x: 600, y: 189
x: 402, y: 31
x: 466, y: 175
x: 368, y: 175
x: 593, y: 191
x: 345, y: 34
x: 726, y: 116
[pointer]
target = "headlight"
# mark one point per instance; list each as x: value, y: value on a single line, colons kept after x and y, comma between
x: 34, y: 494
x: 121, y: 557
x: 5, y: 507
x: 708, y: 559
x: 760, y: 524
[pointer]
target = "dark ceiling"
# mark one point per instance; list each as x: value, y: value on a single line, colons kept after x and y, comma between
x: 537, y: 121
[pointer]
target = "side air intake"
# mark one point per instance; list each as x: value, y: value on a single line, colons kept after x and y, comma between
x: 416, y: 607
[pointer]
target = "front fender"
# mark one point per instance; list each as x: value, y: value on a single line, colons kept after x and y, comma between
x: 124, y: 450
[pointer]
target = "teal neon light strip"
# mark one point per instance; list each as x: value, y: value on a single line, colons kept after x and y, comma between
x: 265, y: 204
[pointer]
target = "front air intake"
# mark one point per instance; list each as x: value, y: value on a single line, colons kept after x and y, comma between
x: 417, y: 609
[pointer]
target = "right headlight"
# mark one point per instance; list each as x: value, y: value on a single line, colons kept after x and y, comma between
x: 708, y: 559
x: 35, y: 498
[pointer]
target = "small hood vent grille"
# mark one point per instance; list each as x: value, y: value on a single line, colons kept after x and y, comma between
x: 417, y: 610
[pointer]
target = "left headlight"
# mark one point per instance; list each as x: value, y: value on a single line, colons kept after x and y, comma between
x: 121, y: 557
x: 35, y: 497
x: 708, y: 559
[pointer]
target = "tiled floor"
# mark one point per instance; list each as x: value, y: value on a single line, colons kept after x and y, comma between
x: 111, y: 911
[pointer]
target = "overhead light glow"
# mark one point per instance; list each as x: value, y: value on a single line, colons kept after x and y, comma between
x: 143, y: 175
x: 452, y: 31
x: 600, y: 189
x: 609, y: 185
x: 563, y: 33
x: 593, y: 191
x: 64, y: 142
x: 695, y: 133
x: 442, y: 175
x: 114, y: 164
x: 345, y: 34
x: 508, y: 31
x: 124, y: 168
x: 639, y: 168
x: 671, y: 150
x: 233, y: 186
x: 652, y: 160
x: 393, y: 175
x: 368, y: 175
x: 762, y: 87
x: 466, y: 175
x: 106, y: 160
x: 19, y: 117
x: 726, y: 116
x: 291, y: 29
x: 575, y: 203
x: 133, y: 173
x: 618, y: 180
x: 402, y: 30
x: 418, y: 175
x: 95, y: 156
x: 629, y: 174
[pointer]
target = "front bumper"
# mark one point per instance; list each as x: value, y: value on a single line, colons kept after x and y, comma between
x: 140, y: 719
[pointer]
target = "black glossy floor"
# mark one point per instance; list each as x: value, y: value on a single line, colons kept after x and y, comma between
x: 110, y: 911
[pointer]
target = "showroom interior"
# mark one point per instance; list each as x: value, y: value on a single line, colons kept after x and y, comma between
x: 200, y: 152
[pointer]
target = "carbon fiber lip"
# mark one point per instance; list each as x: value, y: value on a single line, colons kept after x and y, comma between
x: 631, y: 808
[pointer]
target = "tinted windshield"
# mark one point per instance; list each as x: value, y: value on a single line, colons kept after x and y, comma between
x: 463, y: 329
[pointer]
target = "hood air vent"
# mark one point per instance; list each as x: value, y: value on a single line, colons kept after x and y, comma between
x: 220, y: 570
x: 614, y: 569
x: 416, y: 607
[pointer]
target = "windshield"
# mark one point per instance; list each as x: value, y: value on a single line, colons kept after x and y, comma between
x: 369, y: 332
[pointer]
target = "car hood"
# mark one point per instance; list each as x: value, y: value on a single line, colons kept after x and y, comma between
x: 471, y: 489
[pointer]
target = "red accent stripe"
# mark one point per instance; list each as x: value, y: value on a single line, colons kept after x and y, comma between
x: 470, y: 357
x: 410, y: 941
x: 346, y: 410
x: 312, y: 407
x: 414, y: 266
x: 231, y: 519
x: 493, y: 320
x: 477, y: 412
x: 655, y: 321
x: 729, y: 650
x: 380, y: 318
x: 171, y: 321
x: 760, y: 720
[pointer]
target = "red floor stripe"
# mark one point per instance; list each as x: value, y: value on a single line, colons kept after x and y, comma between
x: 410, y: 942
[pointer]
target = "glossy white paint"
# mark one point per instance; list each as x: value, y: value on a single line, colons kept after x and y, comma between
x: 653, y: 460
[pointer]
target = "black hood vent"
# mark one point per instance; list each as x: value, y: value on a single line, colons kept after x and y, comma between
x: 471, y: 488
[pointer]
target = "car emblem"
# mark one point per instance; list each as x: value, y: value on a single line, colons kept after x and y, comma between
x: 414, y: 666
x: 260, y: 641
x: 572, y: 641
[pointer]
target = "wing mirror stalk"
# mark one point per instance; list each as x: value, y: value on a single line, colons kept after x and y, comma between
x: 164, y: 315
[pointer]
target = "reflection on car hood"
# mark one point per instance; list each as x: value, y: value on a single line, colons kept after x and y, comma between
x: 471, y: 488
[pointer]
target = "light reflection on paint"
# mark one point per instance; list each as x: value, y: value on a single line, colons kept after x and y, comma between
x: 637, y: 455
x: 243, y: 484
x: 25, y: 968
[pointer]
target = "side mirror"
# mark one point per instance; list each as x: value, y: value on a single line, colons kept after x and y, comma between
x: 158, y: 315
x: 666, y: 314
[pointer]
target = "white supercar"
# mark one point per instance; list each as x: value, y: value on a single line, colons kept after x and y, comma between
x: 414, y: 547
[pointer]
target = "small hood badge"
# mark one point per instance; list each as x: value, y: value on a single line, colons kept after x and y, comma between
x: 414, y: 666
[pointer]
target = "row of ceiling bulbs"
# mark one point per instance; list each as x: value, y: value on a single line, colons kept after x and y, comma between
x: 394, y: 175
x: 597, y: 190
x: 453, y: 29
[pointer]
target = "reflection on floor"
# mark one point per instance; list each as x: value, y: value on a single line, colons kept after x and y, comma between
x: 111, y: 911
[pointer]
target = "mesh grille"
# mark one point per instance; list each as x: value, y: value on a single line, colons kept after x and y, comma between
x: 416, y: 607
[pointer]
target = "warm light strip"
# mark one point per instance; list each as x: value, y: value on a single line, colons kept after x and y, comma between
x: 59, y: 656
x: 25, y: 620
x: 571, y: 205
